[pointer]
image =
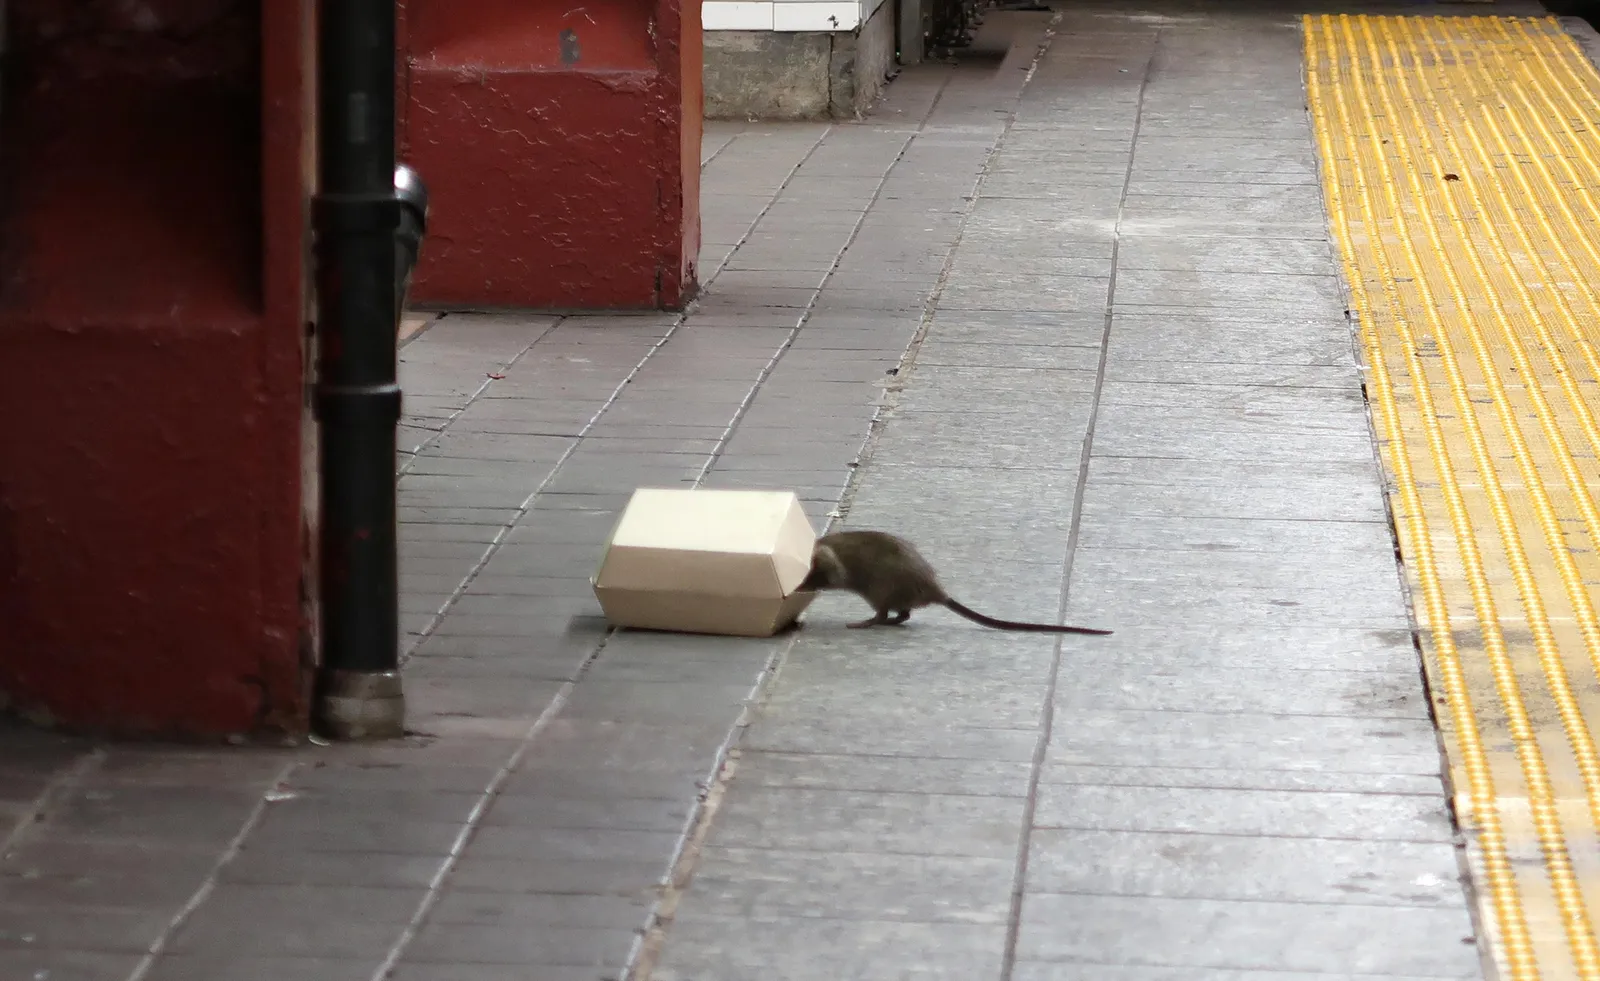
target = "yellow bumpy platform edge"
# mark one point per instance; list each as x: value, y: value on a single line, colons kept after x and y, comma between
x: 1461, y: 168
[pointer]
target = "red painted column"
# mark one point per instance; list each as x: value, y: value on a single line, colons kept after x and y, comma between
x: 561, y: 146
x: 154, y: 178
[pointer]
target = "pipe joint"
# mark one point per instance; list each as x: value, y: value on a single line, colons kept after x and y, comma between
x: 338, y: 215
x: 357, y: 406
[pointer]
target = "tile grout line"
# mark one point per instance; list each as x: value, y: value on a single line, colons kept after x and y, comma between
x: 469, y: 827
x: 648, y: 945
x: 1435, y: 842
x: 57, y: 786
x: 472, y: 399
x: 908, y: 356
x: 816, y: 294
x: 718, y: 152
x: 866, y: 754
x: 1103, y: 784
x: 1047, y: 722
x: 157, y: 947
x: 771, y: 201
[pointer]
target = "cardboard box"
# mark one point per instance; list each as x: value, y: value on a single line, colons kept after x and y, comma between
x: 707, y: 561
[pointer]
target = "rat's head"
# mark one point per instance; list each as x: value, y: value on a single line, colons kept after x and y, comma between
x: 827, y: 572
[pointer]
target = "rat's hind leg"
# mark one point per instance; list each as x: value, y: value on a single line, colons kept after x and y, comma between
x: 881, y: 617
x: 899, y: 618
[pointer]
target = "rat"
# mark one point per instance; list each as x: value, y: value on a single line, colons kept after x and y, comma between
x: 891, y: 575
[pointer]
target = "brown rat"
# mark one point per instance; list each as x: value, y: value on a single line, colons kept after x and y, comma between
x: 893, y: 577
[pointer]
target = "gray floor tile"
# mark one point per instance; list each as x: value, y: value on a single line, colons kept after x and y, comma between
x: 768, y: 883
x: 971, y: 355
x: 884, y: 774
x: 1243, y: 742
x: 631, y: 876
x: 916, y: 660
x: 1427, y: 785
x: 1335, y: 375
x: 1252, y: 289
x: 1293, y: 404
x: 840, y: 820
x: 933, y: 702
x: 1373, y: 817
x: 707, y: 948
x: 1102, y: 528
x: 314, y: 940
x: 1210, y: 255
x: 818, y: 732
x: 529, y: 911
x: 233, y: 967
x: 1231, y: 867
x: 1227, y: 568
x: 1118, y: 436
x: 573, y: 844
x: 1284, y: 691
x: 657, y: 702
x: 1318, y: 427
x: 527, y: 810
x: 1333, y: 490
x: 1210, y: 934
x: 530, y: 949
x: 1024, y: 444
x: 331, y: 868
x: 1243, y: 589
x: 73, y: 926
x: 1189, y: 334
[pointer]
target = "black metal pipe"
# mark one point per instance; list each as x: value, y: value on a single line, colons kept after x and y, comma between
x: 357, y: 398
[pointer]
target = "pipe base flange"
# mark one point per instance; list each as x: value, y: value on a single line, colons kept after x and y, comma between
x: 356, y: 705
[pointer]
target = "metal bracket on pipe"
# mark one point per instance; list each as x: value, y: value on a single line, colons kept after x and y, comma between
x: 412, y: 195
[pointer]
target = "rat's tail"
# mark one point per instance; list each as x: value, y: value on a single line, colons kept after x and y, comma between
x: 1047, y: 628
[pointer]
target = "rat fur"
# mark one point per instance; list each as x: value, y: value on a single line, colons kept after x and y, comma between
x: 893, y: 577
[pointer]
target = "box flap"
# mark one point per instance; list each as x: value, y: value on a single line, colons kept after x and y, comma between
x: 792, y: 548
x: 746, y: 543
x: 739, y: 521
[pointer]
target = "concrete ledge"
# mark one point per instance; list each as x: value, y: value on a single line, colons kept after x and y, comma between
x: 763, y: 74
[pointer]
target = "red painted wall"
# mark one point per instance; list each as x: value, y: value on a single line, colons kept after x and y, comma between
x: 561, y: 147
x: 153, y: 180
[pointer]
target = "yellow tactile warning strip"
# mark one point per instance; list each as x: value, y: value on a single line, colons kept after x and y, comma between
x: 1461, y: 168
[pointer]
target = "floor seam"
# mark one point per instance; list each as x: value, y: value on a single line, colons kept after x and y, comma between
x: 1047, y: 724
x: 648, y: 947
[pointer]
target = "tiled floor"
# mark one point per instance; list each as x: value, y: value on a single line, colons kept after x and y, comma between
x: 1072, y: 323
